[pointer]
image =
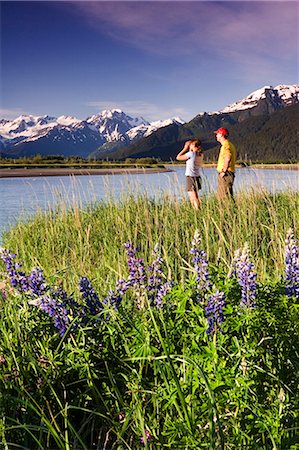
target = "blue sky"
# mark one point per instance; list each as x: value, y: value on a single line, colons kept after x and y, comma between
x: 155, y: 59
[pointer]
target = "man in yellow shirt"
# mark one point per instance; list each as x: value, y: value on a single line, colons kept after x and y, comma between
x: 226, y: 166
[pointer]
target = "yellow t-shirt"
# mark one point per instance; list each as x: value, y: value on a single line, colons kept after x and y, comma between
x: 227, y: 149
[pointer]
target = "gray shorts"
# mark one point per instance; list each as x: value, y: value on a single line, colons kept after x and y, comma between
x: 193, y: 184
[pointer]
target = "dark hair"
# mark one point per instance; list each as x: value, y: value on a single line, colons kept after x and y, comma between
x: 197, y: 142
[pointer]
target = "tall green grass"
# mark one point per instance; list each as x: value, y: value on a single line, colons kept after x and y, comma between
x: 103, y: 384
x: 71, y: 241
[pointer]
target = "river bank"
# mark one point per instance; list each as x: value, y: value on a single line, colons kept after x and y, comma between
x: 254, y: 166
x: 275, y: 166
x: 65, y: 171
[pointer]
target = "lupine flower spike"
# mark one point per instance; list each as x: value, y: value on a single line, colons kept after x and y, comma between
x: 157, y: 290
x: 58, y: 311
x: 214, y: 312
x: 137, y: 276
x: 92, y: 301
x: 33, y: 284
x: 246, y: 276
x: 201, y: 266
x: 291, y: 265
x: 52, y: 302
x: 114, y: 298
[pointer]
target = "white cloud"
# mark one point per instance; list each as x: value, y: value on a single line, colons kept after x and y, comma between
x: 11, y: 113
x: 208, y: 27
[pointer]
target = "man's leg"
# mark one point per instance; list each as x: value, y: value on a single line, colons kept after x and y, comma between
x: 225, y: 186
x: 222, y: 188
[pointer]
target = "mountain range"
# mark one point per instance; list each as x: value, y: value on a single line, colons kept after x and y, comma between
x: 259, y: 125
x: 264, y: 126
x: 28, y: 135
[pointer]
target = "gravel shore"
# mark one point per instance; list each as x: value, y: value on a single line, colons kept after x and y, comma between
x: 55, y: 172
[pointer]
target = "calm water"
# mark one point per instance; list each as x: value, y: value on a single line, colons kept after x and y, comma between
x: 22, y: 197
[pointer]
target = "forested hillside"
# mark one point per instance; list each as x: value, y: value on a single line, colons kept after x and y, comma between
x: 260, y: 137
x: 274, y: 137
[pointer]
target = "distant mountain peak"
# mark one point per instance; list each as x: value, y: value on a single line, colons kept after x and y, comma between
x: 116, y: 114
x: 67, y: 120
x: 283, y: 94
x: 110, y: 112
x: 72, y: 135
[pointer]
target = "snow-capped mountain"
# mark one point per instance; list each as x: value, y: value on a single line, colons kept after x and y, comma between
x: 165, y: 142
x: 132, y: 135
x: 28, y: 134
x: 32, y: 127
x: 145, y: 130
x: 281, y: 95
x: 113, y: 124
x: 111, y: 130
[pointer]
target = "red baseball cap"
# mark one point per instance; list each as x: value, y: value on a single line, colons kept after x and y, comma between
x: 223, y: 131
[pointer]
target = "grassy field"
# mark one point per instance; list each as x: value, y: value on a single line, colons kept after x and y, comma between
x: 70, y: 242
x: 197, y: 350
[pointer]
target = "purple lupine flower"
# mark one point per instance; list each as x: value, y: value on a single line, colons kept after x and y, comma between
x: 33, y: 284
x: 17, y: 278
x: 58, y: 305
x: 59, y: 294
x: 246, y: 276
x: 201, y: 266
x: 157, y: 290
x: 137, y: 276
x: 291, y: 265
x: 7, y: 258
x: 36, y: 282
x: 162, y: 291
x: 155, y: 270
x: 147, y: 437
x: 56, y: 310
x: 94, y: 306
x: 214, y: 312
x: 114, y: 298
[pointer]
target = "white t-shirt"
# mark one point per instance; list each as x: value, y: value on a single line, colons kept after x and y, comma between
x: 193, y: 164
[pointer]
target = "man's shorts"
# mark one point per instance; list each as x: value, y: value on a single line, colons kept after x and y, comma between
x: 193, y: 184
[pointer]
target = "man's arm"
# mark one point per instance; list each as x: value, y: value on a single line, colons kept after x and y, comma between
x: 226, y: 164
x: 226, y: 161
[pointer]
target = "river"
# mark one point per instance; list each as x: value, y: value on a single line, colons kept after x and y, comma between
x: 22, y: 197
